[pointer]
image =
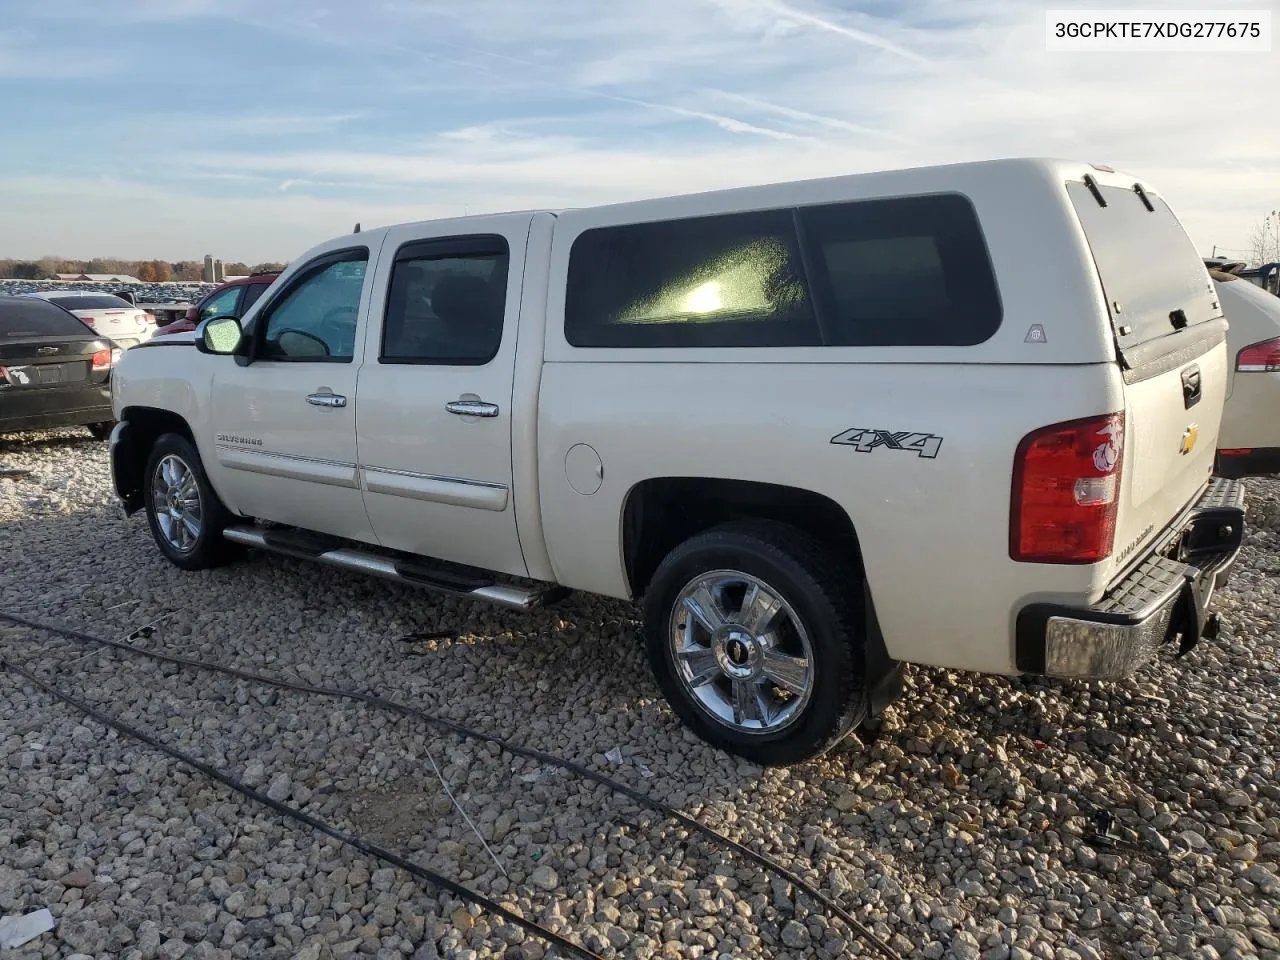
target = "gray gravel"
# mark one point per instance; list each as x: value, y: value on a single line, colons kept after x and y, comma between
x: 957, y: 826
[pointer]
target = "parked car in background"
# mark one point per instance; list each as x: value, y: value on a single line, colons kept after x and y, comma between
x: 1249, y: 443
x: 55, y: 370
x: 231, y: 299
x: 109, y: 315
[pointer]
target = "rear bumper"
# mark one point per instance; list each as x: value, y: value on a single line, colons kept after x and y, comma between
x: 1165, y: 597
x: 1255, y: 462
x: 49, y: 409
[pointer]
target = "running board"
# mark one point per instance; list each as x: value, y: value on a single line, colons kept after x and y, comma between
x: 413, y: 572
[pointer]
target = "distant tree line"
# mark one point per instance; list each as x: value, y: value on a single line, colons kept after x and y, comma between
x: 149, y: 271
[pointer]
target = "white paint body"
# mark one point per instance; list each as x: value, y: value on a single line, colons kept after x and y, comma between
x: 1252, y: 415
x: 392, y: 468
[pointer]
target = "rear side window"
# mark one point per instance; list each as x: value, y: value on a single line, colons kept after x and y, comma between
x: 1154, y: 280
x: 90, y: 302
x: 905, y: 272
x: 911, y: 271
x: 20, y: 318
x: 724, y: 281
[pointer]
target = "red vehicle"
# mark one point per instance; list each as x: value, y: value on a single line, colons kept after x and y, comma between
x: 233, y: 298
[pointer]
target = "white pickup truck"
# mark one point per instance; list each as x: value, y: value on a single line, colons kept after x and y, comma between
x: 961, y: 415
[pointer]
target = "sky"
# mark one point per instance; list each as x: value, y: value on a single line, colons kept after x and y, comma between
x: 254, y: 129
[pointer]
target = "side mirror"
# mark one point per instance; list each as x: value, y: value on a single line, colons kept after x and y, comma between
x: 219, y: 335
x: 192, y: 314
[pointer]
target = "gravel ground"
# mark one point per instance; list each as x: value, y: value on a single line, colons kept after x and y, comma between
x: 959, y: 825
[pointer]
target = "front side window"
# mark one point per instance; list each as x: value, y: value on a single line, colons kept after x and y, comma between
x: 222, y: 304
x: 446, y: 304
x: 722, y: 281
x: 316, y: 318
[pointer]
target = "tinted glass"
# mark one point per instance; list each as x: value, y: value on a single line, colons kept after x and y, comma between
x: 909, y: 271
x: 92, y: 302
x: 316, y: 319
x: 724, y: 281
x: 445, y: 309
x: 1147, y: 263
x: 21, y: 318
x: 251, y: 294
x: 222, y: 304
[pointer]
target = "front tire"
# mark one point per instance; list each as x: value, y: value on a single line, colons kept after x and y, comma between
x: 755, y: 634
x: 183, y: 511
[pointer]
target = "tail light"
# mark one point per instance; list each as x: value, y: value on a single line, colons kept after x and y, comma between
x: 106, y: 359
x: 148, y: 316
x: 1066, y: 491
x: 1261, y: 357
x: 88, y: 319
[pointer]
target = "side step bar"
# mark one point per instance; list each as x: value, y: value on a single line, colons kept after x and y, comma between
x: 301, y: 546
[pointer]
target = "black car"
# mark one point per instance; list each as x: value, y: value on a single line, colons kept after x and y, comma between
x: 55, y: 371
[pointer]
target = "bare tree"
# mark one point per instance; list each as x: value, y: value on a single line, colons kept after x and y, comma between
x: 1264, y: 239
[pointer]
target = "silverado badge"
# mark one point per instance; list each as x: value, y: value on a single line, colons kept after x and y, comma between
x: 1189, y: 437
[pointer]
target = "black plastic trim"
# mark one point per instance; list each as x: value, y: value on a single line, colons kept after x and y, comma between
x: 1258, y: 462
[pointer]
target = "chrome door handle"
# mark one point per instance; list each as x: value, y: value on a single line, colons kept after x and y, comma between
x: 326, y: 400
x: 472, y: 408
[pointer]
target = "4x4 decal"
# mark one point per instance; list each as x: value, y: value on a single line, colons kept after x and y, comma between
x: 864, y: 441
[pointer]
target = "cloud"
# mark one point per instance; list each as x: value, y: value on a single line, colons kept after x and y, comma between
x: 301, y: 119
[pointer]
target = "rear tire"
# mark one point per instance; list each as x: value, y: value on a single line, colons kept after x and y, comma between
x: 101, y: 431
x: 772, y: 666
x: 183, y: 511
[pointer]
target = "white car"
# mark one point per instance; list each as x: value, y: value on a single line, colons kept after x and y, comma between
x: 962, y: 415
x: 109, y: 316
x: 1249, y: 444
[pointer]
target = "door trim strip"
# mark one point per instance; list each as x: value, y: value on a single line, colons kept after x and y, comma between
x: 336, y: 473
x: 455, y: 491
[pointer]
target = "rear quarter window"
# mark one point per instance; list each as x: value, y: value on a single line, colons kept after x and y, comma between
x: 910, y: 271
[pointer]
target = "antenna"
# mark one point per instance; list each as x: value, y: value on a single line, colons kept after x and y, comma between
x: 357, y: 229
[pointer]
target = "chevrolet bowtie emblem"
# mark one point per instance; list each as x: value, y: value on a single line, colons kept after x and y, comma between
x: 1189, y: 437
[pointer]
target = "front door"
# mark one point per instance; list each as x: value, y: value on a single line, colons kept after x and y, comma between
x: 284, y: 423
x: 435, y: 401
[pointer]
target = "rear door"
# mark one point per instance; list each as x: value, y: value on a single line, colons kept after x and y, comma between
x: 435, y: 408
x: 1170, y: 337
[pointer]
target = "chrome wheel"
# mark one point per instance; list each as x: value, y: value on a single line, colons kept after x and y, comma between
x: 175, y: 498
x: 741, y: 651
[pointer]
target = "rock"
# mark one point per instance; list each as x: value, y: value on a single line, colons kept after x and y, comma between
x: 795, y: 935
x: 77, y: 878
x: 964, y: 946
x: 1237, y: 800
x: 544, y: 878
x: 281, y: 788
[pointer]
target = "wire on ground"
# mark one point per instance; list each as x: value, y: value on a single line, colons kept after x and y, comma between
x: 532, y: 753
x: 293, y: 813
